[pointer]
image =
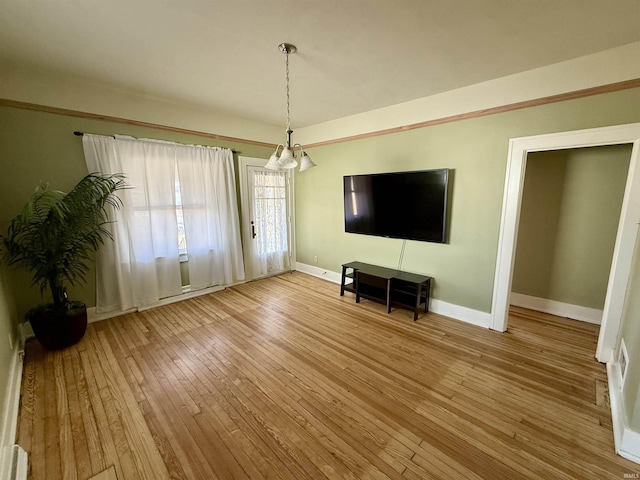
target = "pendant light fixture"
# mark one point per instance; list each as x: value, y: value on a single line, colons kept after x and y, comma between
x: 286, y: 159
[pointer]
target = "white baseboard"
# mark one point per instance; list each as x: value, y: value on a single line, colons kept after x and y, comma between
x: 94, y: 316
x: 627, y: 441
x: 464, y: 314
x: 576, y: 312
x: 10, y: 414
x: 325, y: 274
x: 20, y: 463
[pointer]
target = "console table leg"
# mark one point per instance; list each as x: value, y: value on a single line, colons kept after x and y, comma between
x: 427, y: 295
x: 389, y: 295
x: 417, y: 307
x: 344, y: 277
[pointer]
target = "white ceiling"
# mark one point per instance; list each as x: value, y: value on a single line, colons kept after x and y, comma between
x: 353, y: 55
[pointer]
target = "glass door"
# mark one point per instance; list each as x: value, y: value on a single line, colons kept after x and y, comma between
x: 266, y: 220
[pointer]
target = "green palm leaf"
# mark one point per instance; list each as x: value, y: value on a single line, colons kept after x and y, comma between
x: 56, y: 233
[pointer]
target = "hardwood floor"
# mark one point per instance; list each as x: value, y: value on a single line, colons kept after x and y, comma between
x: 284, y: 379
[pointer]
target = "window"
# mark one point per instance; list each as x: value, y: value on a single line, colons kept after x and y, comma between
x: 182, y: 238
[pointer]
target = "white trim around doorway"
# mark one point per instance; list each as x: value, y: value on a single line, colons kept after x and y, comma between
x: 519, y: 148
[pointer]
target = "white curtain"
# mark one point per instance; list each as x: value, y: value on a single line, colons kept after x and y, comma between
x: 211, y: 219
x: 270, y: 217
x: 142, y: 264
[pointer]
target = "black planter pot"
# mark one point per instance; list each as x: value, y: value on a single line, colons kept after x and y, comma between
x: 56, y: 329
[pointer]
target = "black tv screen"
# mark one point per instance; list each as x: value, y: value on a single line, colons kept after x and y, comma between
x: 407, y: 205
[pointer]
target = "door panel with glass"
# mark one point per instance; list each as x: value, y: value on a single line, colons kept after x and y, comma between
x: 266, y: 219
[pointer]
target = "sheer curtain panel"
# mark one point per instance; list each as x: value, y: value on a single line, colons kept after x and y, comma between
x: 142, y: 265
x: 270, y: 204
x: 211, y: 219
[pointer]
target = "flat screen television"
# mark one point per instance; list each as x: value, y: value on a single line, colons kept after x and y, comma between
x: 407, y: 205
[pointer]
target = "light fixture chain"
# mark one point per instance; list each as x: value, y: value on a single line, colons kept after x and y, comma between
x: 287, y: 158
x: 287, y: 78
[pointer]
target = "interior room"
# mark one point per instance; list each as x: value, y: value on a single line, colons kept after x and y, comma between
x: 388, y: 240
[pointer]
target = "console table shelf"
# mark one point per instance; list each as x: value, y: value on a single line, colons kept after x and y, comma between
x: 388, y: 286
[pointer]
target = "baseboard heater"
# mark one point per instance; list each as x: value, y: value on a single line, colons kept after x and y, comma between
x: 19, y: 464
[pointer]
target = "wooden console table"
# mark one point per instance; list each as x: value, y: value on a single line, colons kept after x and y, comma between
x: 386, y: 285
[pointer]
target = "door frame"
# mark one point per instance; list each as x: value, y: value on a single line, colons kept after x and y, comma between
x: 519, y: 148
x: 243, y: 163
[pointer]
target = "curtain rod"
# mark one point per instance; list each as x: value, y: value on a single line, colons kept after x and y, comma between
x: 80, y: 134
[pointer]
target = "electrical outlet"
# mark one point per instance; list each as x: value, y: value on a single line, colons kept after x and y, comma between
x: 315, y: 259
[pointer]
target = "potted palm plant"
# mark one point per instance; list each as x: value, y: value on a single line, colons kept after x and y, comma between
x: 53, y: 238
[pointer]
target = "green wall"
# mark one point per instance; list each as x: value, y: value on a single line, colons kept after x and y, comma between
x: 539, y: 218
x: 37, y: 146
x: 571, y: 206
x: 476, y: 150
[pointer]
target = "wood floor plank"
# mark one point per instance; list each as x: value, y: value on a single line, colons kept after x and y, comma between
x: 27, y: 410
x: 139, y: 439
x: 217, y: 417
x: 291, y: 394
x: 105, y: 435
x: 52, y: 451
x: 260, y: 408
x: 283, y: 379
x: 286, y: 415
x: 36, y: 441
x: 167, y: 446
x: 168, y: 412
x: 70, y: 465
x: 233, y: 420
x: 287, y: 390
x: 91, y: 436
x: 79, y: 435
x: 108, y: 474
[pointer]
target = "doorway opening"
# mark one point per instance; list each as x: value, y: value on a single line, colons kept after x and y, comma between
x: 569, y: 218
x: 519, y: 148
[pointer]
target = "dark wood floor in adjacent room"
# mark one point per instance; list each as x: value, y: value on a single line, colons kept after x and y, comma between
x: 284, y: 379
